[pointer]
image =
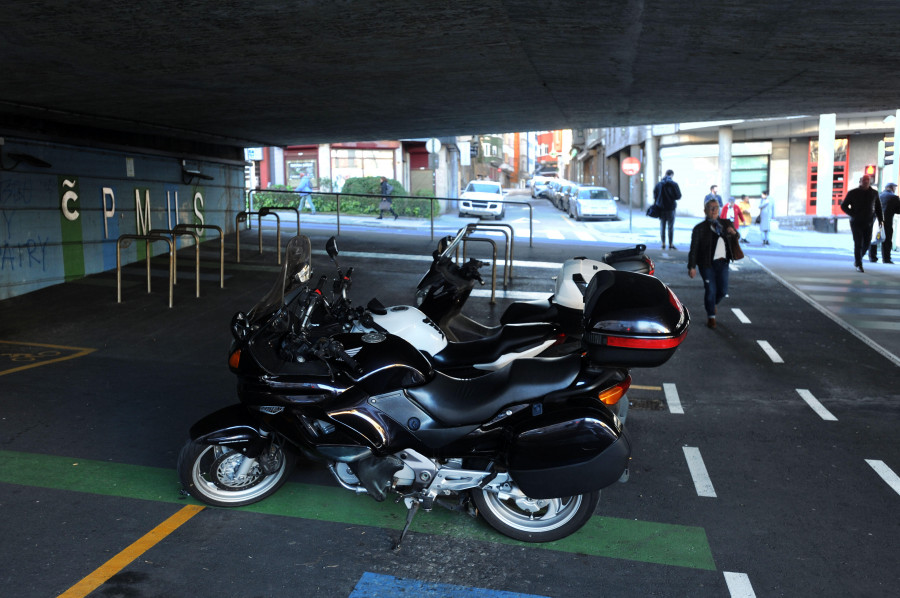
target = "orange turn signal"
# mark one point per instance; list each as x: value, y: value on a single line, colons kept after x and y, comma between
x: 234, y: 359
x: 611, y: 395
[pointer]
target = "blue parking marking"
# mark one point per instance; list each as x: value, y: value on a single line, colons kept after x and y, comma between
x: 373, y: 585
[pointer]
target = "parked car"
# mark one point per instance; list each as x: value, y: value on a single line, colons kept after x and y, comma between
x: 539, y: 186
x: 483, y: 199
x: 566, y: 192
x: 593, y: 202
x: 552, y: 190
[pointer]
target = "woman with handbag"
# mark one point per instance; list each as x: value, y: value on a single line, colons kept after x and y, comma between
x: 714, y: 243
x: 766, y: 212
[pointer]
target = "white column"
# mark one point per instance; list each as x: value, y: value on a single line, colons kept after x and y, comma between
x: 779, y: 178
x: 726, y: 137
x: 324, y: 162
x: 825, y: 169
x: 650, y: 161
x: 893, y: 171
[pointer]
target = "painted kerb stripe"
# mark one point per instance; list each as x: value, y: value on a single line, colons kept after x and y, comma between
x: 373, y: 584
x: 739, y: 585
x: 887, y: 474
x: 643, y: 541
x: 100, y: 576
x: 816, y: 406
x: 672, y: 399
x: 773, y: 355
x: 698, y: 472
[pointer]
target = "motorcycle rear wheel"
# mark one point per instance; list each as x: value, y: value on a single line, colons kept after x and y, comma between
x: 534, y: 520
x: 207, y: 472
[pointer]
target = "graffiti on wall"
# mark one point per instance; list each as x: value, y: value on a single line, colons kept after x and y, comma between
x: 22, y: 247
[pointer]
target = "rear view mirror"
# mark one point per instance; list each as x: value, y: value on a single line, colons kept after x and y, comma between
x: 331, y: 249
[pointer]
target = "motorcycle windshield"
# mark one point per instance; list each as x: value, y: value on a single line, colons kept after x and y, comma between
x: 296, y: 270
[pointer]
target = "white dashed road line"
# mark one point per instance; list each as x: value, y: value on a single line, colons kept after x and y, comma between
x: 773, y: 355
x: 816, y: 405
x: 740, y: 315
x: 739, y: 585
x: 698, y: 472
x: 672, y: 399
x: 887, y: 474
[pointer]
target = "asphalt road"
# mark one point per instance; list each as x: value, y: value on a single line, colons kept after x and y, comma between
x: 763, y: 450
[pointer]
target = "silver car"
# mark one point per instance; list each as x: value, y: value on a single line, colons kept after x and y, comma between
x: 593, y: 202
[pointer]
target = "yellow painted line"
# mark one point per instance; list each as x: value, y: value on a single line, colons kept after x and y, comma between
x: 77, y: 352
x: 124, y: 558
x: 638, y: 387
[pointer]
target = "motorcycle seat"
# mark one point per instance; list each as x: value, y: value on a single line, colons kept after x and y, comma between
x: 460, y: 402
x: 506, y: 339
x: 540, y: 310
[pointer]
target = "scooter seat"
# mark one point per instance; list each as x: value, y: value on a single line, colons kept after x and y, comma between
x: 507, y: 339
x: 457, y: 402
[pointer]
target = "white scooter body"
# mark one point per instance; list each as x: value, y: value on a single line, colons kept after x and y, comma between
x: 413, y: 326
x: 567, y: 292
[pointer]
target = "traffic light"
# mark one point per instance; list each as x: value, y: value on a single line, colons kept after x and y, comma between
x: 870, y: 171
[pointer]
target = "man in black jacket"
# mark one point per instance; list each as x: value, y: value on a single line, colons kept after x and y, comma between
x: 710, y: 253
x: 665, y: 194
x: 890, y: 207
x: 862, y: 205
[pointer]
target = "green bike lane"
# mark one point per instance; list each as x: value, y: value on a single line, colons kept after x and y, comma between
x: 642, y: 541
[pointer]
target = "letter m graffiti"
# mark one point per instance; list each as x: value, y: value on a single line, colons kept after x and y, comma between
x: 142, y: 217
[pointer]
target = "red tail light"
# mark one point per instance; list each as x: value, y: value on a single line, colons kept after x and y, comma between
x: 234, y: 359
x: 645, y: 343
x: 650, y: 265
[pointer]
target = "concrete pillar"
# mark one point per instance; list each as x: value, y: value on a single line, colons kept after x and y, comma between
x: 779, y: 175
x: 893, y: 171
x: 726, y: 137
x: 825, y: 169
x: 651, y: 159
x: 325, y: 163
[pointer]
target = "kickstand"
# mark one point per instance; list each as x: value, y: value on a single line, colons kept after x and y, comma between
x: 410, y: 513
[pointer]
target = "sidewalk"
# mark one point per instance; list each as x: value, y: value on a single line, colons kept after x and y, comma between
x: 641, y: 229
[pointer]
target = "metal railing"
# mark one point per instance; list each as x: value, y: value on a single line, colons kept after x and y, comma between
x: 251, y: 194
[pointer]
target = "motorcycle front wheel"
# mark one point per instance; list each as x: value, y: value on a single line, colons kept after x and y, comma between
x: 518, y: 516
x: 222, y: 477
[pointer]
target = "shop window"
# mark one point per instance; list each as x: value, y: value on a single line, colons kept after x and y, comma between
x: 749, y: 175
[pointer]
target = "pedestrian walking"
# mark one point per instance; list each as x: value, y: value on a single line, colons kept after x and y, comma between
x: 305, y: 190
x: 890, y: 207
x: 713, y: 194
x: 766, y: 213
x: 666, y: 194
x: 712, y: 248
x: 732, y: 211
x: 386, y: 200
x: 863, y: 207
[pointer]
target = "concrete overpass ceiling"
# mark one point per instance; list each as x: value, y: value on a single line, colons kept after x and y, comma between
x: 272, y: 72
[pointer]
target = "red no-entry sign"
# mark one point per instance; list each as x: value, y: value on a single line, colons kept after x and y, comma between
x: 631, y: 166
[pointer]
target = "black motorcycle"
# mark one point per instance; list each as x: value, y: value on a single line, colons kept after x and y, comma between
x: 528, y: 447
x: 443, y: 291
